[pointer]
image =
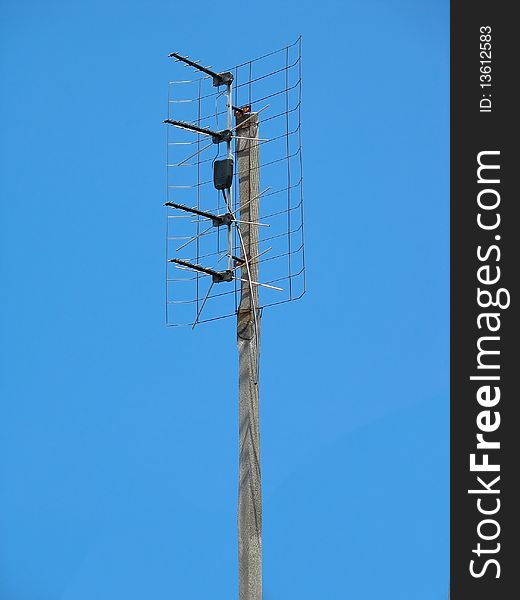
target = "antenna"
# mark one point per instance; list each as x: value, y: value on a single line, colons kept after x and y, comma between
x: 235, y: 231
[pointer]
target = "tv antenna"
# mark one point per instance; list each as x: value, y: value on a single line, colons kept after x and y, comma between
x: 235, y: 231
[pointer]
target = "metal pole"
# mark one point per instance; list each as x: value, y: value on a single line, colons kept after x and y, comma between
x: 248, y: 338
x: 229, y: 120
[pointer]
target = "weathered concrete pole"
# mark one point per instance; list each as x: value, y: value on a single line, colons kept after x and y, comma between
x: 248, y: 337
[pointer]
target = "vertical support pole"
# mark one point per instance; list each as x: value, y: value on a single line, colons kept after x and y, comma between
x: 248, y: 338
x: 229, y: 120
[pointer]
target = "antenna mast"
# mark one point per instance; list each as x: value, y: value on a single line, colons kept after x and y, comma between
x: 223, y: 254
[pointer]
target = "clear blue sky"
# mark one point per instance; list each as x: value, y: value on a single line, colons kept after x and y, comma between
x: 118, y: 463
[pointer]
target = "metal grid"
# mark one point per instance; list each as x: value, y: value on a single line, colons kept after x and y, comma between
x: 271, y: 86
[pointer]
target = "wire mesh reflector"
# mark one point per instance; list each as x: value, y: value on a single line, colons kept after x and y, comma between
x: 271, y: 86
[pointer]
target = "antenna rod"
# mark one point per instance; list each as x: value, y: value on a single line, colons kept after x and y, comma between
x: 218, y: 219
x: 218, y: 136
x: 218, y: 276
x: 216, y: 76
x: 200, y: 268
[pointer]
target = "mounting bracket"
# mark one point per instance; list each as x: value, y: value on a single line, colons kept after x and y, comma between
x: 219, y: 220
x: 222, y: 79
x: 222, y: 136
x: 222, y: 276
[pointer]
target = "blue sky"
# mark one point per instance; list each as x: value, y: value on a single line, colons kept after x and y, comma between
x: 118, y: 463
